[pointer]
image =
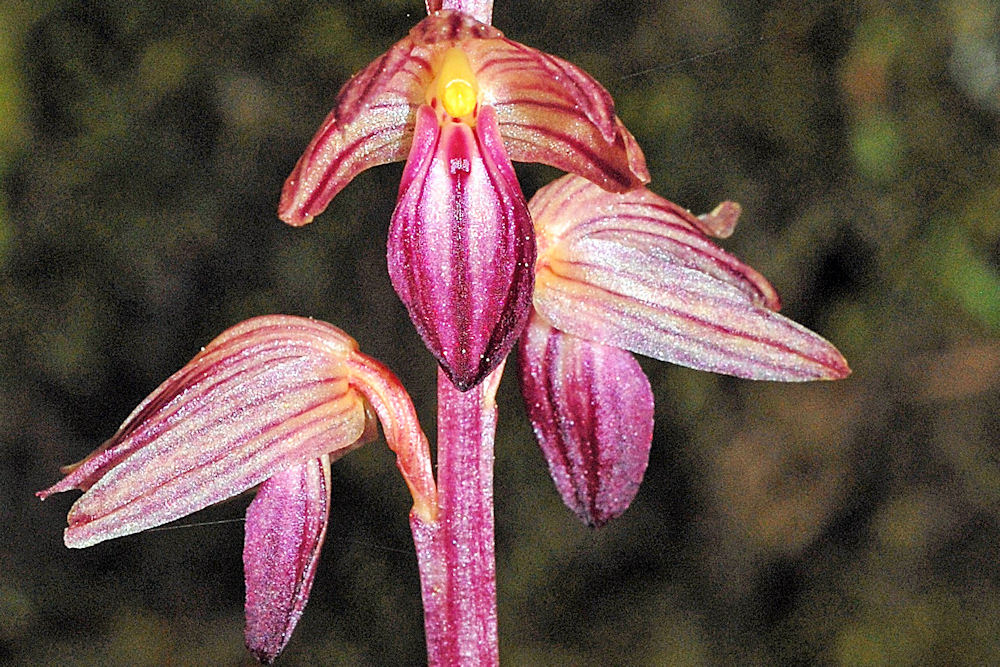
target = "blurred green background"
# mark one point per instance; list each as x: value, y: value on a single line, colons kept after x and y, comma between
x: 142, y: 148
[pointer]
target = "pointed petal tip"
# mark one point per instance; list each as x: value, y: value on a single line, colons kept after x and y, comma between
x: 264, y: 655
x: 465, y: 379
x: 721, y: 222
x: 838, y: 368
x: 290, y: 215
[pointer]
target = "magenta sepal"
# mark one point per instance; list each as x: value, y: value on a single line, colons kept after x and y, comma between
x: 285, y: 527
x: 461, y: 246
x: 592, y: 409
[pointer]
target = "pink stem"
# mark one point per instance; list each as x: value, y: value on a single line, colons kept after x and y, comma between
x: 481, y: 10
x: 455, y: 553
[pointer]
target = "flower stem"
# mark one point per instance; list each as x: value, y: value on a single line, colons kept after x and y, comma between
x: 456, y: 552
x: 481, y: 10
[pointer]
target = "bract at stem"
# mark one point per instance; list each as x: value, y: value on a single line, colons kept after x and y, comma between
x: 402, y: 430
x: 456, y: 552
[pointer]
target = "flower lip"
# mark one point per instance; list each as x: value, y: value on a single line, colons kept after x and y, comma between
x: 465, y: 279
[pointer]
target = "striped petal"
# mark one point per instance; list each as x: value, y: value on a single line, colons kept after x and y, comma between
x: 373, y: 120
x: 461, y: 246
x: 551, y: 111
x: 285, y: 527
x: 571, y: 210
x: 266, y: 395
x: 592, y: 409
x: 548, y: 110
x: 635, y: 272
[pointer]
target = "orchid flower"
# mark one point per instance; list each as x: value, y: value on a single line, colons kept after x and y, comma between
x: 633, y: 272
x: 459, y: 101
x: 270, y: 402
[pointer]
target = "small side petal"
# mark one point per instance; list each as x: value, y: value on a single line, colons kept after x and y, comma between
x: 285, y: 527
x: 267, y: 394
x: 461, y: 246
x: 551, y: 111
x: 592, y: 409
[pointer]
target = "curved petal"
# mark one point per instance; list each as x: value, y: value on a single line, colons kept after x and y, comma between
x: 632, y: 271
x: 266, y: 395
x: 285, y: 527
x: 592, y: 409
x: 461, y: 246
x: 679, y: 315
x: 551, y: 111
x: 571, y: 210
x: 373, y: 120
x: 371, y: 124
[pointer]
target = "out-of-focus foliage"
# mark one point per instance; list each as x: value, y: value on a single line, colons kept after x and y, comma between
x: 142, y: 149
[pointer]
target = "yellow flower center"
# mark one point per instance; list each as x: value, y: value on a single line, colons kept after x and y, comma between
x: 456, y: 84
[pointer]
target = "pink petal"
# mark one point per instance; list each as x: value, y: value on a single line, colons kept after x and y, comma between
x: 632, y: 271
x: 266, y: 395
x: 285, y: 527
x: 571, y: 211
x: 551, y: 111
x: 592, y: 410
x: 461, y: 246
x: 371, y: 124
x: 373, y: 120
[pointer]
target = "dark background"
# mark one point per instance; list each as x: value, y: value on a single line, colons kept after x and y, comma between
x: 142, y: 148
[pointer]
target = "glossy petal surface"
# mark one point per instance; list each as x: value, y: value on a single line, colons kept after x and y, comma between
x: 592, y: 409
x: 461, y: 246
x: 634, y: 271
x: 285, y: 527
x: 267, y: 394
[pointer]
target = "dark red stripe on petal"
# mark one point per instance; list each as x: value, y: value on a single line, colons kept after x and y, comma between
x: 643, y: 231
x: 592, y: 409
x: 702, y: 324
x: 266, y: 394
x: 553, y: 142
x: 285, y: 528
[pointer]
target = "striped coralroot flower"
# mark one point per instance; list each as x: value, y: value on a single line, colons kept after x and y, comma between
x: 459, y: 101
x: 270, y: 402
x: 633, y: 272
